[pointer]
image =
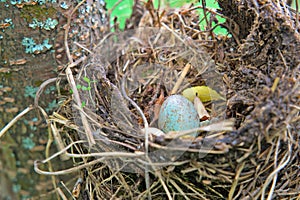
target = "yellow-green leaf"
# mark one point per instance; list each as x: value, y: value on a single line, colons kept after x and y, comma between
x: 204, y: 93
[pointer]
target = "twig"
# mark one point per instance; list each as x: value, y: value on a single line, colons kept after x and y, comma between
x: 235, y: 181
x: 67, y: 189
x: 226, y: 125
x: 73, y: 64
x: 90, y: 118
x: 158, y: 174
x: 231, y: 21
x: 41, y: 88
x: 48, y: 146
x: 84, y: 120
x: 283, y: 59
x: 67, y: 28
x: 184, y: 149
x: 83, y: 47
x: 202, y: 112
x: 66, y: 171
x: 103, y: 156
x: 181, y: 78
x: 276, y: 175
x: 103, y: 40
x: 61, y: 194
x: 284, y: 161
x: 178, y: 189
x: 71, y: 81
x: 14, y: 120
x: 173, y: 32
x: 146, y: 126
x: 58, y: 141
x: 275, y: 84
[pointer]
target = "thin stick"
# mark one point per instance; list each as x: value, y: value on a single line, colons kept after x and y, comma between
x: 178, y: 189
x: 14, y: 120
x: 181, y: 78
x: 225, y: 125
x: 284, y: 161
x: 61, y: 194
x: 202, y: 151
x: 90, y: 118
x: 275, y: 84
x: 71, y: 81
x: 236, y: 180
x: 271, y: 191
x: 66, y: 171
x: 173, y: 32
x: 66, y: 188
x: 158, y: 174
x: 104, y: 156
x: 146, y: 125
x: 101, y: 154
x: 84, y: 120
x: 58, y: 140
x: 73, y: 64
x: 83, y: 47
x: 67, y: 31
x: 41, y: 88
x: 48, y: 146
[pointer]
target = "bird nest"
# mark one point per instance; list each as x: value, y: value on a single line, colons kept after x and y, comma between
x: 120, y: 86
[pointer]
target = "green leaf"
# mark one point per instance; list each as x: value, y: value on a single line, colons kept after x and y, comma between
x: 214, y: 6
x: 211, y: 4
x: 84, y: 88
x: 122, y: 11
x: 86, y: 79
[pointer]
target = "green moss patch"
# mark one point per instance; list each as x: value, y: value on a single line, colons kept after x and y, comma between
x: 38, y: 12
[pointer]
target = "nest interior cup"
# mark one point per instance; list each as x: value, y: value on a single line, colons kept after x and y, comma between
x: 140, y: 64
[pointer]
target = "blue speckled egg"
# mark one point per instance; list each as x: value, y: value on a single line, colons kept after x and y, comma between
x: 177, y: 114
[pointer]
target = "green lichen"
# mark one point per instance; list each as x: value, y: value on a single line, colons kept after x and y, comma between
x: 41, y: 13
x: 28, y: 143
x: 16, y: 188
x: 50, y: 89
x: 30, y: 91
x: 52, y: 105
x: 32, y: 47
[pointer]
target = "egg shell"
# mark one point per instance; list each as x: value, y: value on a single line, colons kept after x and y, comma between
x: 178, y: 114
